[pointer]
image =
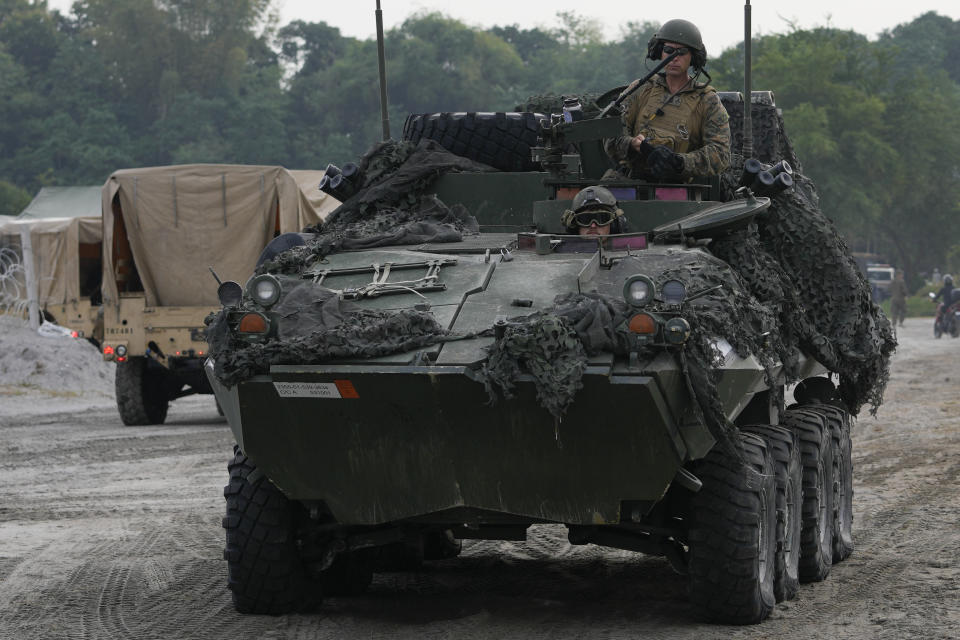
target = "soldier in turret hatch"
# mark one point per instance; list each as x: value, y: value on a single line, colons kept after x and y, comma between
x: 675, y: 127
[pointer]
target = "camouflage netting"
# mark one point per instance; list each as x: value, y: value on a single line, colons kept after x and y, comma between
x: 318, y: 326
x: 553, y: 344
x: 798, y: 289
x: 390, y: 207
x: 797, y: 263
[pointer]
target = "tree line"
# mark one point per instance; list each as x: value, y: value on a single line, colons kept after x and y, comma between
x: 127, y: 83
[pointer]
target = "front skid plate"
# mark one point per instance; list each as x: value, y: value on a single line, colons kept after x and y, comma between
x: 381, y: 444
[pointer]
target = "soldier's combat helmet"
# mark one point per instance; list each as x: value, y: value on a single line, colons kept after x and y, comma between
x: 594, y: 204
x: 682, y: 32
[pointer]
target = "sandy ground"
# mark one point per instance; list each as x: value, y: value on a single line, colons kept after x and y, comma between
x: 111, y: 532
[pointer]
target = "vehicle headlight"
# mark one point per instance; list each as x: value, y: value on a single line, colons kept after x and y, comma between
x: 229, y: 293
x: 264, y: 289
x: 673, y: 292
x: 638, y: 290
x: 676, y: 331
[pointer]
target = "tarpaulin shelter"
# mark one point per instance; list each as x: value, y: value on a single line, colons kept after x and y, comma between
x: 164, y: 226
x: 57, y: 239
x: 63, y: 251
x: 64, y: 202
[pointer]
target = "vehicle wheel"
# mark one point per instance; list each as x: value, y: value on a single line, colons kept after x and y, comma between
x: 954, y: 330
x: 501, y: 140
x: 732, y: 537
x: 142, y: 395
x: 786, y: 457
x: 266, y: 574
x: 839, y: 422
x: 937, y: 330
x: 816, y: 455
x: 349, y: 575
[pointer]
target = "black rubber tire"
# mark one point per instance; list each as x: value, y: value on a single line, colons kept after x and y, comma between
x: 816, y: 454
x: 840, y: 423
x: 732, y: 536
x: 501, y: 140
x: 937, y: 330
x: 266, y: 574
x: 785, y: 448
x: 349, y: 575
x: 142, y: 392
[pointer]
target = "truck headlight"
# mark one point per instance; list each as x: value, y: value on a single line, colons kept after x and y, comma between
x: 676, y: 331
x: 638, y: 290
x: 673, y: 292
x: 264, y: 289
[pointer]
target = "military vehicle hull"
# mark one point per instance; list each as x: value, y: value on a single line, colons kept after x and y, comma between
x: 673, y: 441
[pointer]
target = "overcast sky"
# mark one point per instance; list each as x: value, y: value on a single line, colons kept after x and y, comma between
x: 720, y: 21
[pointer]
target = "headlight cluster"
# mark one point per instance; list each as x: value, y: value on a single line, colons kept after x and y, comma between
x: 264, y: 289
x: 252, y: 325
x: 639, y: 291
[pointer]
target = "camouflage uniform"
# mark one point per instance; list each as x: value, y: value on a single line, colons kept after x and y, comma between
x: 693, y: 124
x: 898, y: 301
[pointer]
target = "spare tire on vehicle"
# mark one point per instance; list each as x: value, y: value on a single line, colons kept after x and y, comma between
x: 501, y: 140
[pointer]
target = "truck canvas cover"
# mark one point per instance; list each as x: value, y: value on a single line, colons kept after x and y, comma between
x: 55, y: 245
x: 181, y: 219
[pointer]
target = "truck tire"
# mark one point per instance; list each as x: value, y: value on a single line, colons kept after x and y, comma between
x: 732, y: 537
x: 501, y: 140
x: 839, y: 422
x: 142, y: 394
x: 266, y: 574
x: 816, y: 454
x: 786, y: 457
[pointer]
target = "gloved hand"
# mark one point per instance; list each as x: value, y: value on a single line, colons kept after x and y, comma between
x: 662, y: 162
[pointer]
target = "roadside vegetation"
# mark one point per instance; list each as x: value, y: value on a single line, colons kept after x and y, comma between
x: 131, y: 83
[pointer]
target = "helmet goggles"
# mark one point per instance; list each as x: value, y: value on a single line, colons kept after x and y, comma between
x: 600, y: 216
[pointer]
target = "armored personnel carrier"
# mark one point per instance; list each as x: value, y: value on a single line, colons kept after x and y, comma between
x: 443, y: 359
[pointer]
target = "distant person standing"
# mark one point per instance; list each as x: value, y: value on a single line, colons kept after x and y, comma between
x: 898, y: 299
x: 936, y: 276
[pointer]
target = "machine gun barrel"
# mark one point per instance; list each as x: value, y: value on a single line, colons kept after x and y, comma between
x: 636, y: 84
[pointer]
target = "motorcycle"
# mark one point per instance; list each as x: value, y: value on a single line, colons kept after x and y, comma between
x: 947, y: 319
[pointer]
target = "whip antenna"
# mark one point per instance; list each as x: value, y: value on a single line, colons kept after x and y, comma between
x: 385, y: 118
x: 747, y: 89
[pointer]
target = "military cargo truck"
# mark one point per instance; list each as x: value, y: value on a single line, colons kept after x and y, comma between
x: 63, y: 272
x: 164, y: 227
x: 473, y: 368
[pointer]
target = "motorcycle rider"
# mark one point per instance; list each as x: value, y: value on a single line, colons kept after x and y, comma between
x: 946, y: 291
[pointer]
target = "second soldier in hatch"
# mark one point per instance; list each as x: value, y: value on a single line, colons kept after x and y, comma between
x: 675, y: 126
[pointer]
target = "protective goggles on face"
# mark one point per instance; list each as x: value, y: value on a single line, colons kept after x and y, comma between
x: 669, y: 49
x: 585, y: 218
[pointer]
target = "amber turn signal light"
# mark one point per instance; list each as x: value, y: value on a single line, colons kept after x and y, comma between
x: 252, y: 323
x: 643, y: 323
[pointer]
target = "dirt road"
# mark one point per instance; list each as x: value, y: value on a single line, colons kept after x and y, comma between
x: 111, y: 532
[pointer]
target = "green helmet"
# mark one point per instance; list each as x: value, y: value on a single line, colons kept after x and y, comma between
x: 593, y: 198
x: 682, y: 32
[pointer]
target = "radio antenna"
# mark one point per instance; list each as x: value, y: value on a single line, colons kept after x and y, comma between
x: 385, y: 118
x: 747, y: 89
